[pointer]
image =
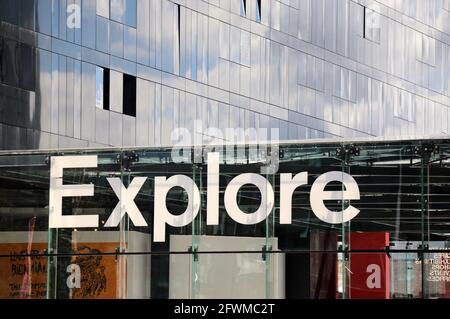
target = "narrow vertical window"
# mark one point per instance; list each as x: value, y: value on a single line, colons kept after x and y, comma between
x: 364, y: 22
x: 371, y: 25
x: 243, y: 8
x: 106, y: 89
x: 102, y: 88
x: 178, y: 49
x: 129, y: 95
x: 258, y: 10
x: 26, y: 62
x: 10, y: 66
x: 1, y: 59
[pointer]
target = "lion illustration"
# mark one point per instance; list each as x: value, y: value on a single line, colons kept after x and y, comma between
x: 93, y: 277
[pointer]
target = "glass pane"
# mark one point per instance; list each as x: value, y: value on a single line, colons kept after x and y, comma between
x: 9, y: 11
x: 27, y: 65
x: 258, y: 10
x: 10, y: 65
x: 311, y: 220
x: 103, y: 8
x: 99, y: 87
x: 243, y: 7
x: 124, y: 11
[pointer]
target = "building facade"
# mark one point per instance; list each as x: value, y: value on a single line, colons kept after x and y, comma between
x: 127, y: 72
x: 96, y: 203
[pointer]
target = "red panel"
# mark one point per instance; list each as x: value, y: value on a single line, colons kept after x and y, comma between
x: 369, y: 272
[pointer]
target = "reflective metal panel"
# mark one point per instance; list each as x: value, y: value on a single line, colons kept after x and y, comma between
x: 130, y: 43
x: 99, y: 87
x: 115, y: 129
x: 103, y: 8
x: 70, y: 96
x: 44, y: 85
x: 88, y: 102
x: 151, y: 112
x: 27, y: 14
x: 102, y: 126
x: 124, y: 11
x: 167, y: 106
x: 213, y: 52
x: 44, y: 17
x: 143, y: 31
x: 117, y: 38
x: 170, y: 36
x: 317, y: 59
x: 116, y: 91
x: 88, y: 23
x: 157, y: 115
x: 129, y: 130
x: 9, y: 11
x: 103, y: 34
x: 142, y: 112
x: 77, y: 100
x: 130, y: 13
x: 54, y: 93
x: 63, y: 19
x: 235, y: 40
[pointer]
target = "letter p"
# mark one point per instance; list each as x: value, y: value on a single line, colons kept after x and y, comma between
x: 162, y: 215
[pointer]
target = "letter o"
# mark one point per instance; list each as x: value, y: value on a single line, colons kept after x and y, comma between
x: 267, y: 198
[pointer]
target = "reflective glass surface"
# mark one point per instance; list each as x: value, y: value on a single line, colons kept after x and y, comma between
x: 99, y: 74
x: 394, y: 246
x: 309, y: 68
x: 314, y: 68
x: 124, y: 11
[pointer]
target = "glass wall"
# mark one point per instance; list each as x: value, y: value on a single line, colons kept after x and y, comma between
x: 353, y: 220
x: 311, y: 68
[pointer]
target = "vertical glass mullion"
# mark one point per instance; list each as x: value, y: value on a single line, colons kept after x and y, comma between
x: 422, y: 208
x: 50, y: 235
x: 52, y: 264
x: 196, y: 231
x: 121, y: 267
x: 425, y: 221
x: 269, y: 235
x: 343, y: 239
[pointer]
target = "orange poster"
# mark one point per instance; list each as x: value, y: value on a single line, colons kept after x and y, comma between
x: 23, y: 277
x: 99, y: 274
x: 26, y: 276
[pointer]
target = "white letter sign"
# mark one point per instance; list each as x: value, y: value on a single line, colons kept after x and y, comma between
x: 318, y: 195
x: 126, y: 202
x: 267, y: 198
x: 162, y: 215
x: 58, y: 191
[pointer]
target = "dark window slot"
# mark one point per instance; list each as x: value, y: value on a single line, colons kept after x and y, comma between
x: 243, y: 8
x: 258, y: 10
x: 102, y: 87
x: 179, y: 33
x: 27, y: 67
x: 364, y: 22
x: 106, y: 89
x: 17, y: 64
x: 129, y: 95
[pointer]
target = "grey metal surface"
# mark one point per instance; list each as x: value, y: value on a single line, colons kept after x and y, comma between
x: 306, y: 67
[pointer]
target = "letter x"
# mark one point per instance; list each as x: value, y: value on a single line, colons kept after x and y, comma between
x: 126, y: 202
